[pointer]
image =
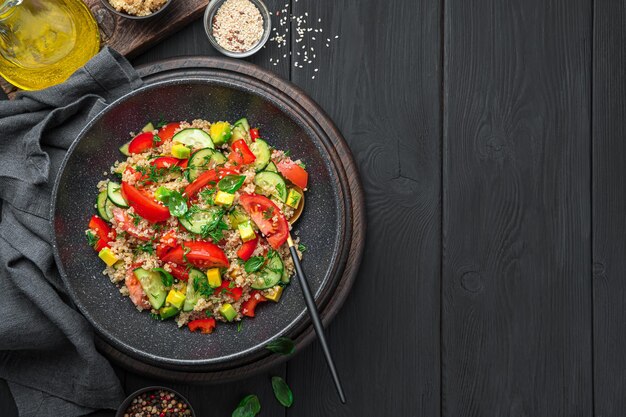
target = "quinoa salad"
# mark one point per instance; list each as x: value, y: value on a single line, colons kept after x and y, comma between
x: 192, y: 225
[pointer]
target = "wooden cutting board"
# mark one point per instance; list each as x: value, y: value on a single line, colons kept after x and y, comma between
x: 130, y: 37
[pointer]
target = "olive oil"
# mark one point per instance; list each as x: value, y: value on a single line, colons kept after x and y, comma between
x: 42, y: 42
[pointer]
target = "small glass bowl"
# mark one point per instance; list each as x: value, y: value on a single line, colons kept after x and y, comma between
x: 131, y: 16
x: 214, y: 6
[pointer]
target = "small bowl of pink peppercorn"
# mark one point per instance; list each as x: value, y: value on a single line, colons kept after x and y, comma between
x: 155, y: 402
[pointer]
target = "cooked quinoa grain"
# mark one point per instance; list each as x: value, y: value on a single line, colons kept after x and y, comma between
x: 137, y: 7
x: 237, y: 25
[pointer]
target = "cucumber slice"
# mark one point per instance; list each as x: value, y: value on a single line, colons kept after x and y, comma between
x: 271, y: 167
x: 192, y: 296
x: 272, y: 184
x: 286, y: 278
x: 195, y: 220
x: 148, y: 127
x: 261, y: 150
x: 243, y: 122
x: 203, y: 160
x: 101, y: 205
x: 240, y: 133
x: 271, y: 273
x: 153, y: 286
x: 114, y: 192
x: 194, y: 138
x: 124, y: 149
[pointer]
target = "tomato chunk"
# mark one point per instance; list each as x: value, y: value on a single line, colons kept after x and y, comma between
x: 248, y: 307
x: 179, y: 272
x: 126, y: 224
x: 102, y: 230
x: 229, y: 288
x: 135, y: 290
x: 293, y: 172
x: 210, y: 177
x: 241, y: 153
x: 268, y: 218
x: 254, y: 134
x: 167, y: 162
x: 198, y: 253
x: 144, y: 205
x: 142, y: 142
x: 246, y: 250
x: 166, y: 133
x: 205, y: 326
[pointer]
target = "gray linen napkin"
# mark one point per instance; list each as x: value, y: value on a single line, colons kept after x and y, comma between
x: 47, y: 351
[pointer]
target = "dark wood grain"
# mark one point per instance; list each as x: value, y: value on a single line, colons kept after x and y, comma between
x: 516, y: 261
x: 609, y: 208
x: 381, y: 85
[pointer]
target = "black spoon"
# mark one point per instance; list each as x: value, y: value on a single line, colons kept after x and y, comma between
x: 310, y: 302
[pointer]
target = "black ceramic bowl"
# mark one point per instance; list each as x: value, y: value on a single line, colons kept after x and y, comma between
x: 323, y: 227
x: 126, y: 403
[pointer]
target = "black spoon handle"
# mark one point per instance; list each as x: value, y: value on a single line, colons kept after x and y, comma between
x: 317, y: 322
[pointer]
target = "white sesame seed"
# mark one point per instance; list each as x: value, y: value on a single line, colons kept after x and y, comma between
x: 336, y: 36
x: 316, y: 69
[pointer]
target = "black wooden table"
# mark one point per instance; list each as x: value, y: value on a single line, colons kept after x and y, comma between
x: 491, y: 141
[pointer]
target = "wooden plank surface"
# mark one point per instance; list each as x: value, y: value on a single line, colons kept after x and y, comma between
x: 523, y: 174
x: 516, y: 261
x: 609, y: 206
x: 381, y: 86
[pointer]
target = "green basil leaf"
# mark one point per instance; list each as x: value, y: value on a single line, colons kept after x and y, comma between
x: 249, y: 406
x: 254, y: 264
x: 166, y: 277
x: 281, y: 391
x: 282, y: 345
x: 177, y: 204
x: 231, y: 183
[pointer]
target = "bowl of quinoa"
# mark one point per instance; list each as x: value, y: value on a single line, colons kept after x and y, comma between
x: 237, y: 28
x: 103, y: 287
x: 136, y: 9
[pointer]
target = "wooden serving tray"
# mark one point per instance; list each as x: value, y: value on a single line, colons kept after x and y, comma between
x: 331, y: 298
x: 131, y: 37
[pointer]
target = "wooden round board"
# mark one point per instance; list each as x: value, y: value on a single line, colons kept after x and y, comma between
x: 330, y: 299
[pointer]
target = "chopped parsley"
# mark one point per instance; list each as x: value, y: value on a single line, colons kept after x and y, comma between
x: 161, y: 123
x: 302, y: 248
x: 147, y: 248
x: 136, y: 218
x: 207, y: 195
x: 268, y: 213
x: 92, y: 239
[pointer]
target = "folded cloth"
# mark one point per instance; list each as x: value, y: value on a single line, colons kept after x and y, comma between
x: 47, y: 351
